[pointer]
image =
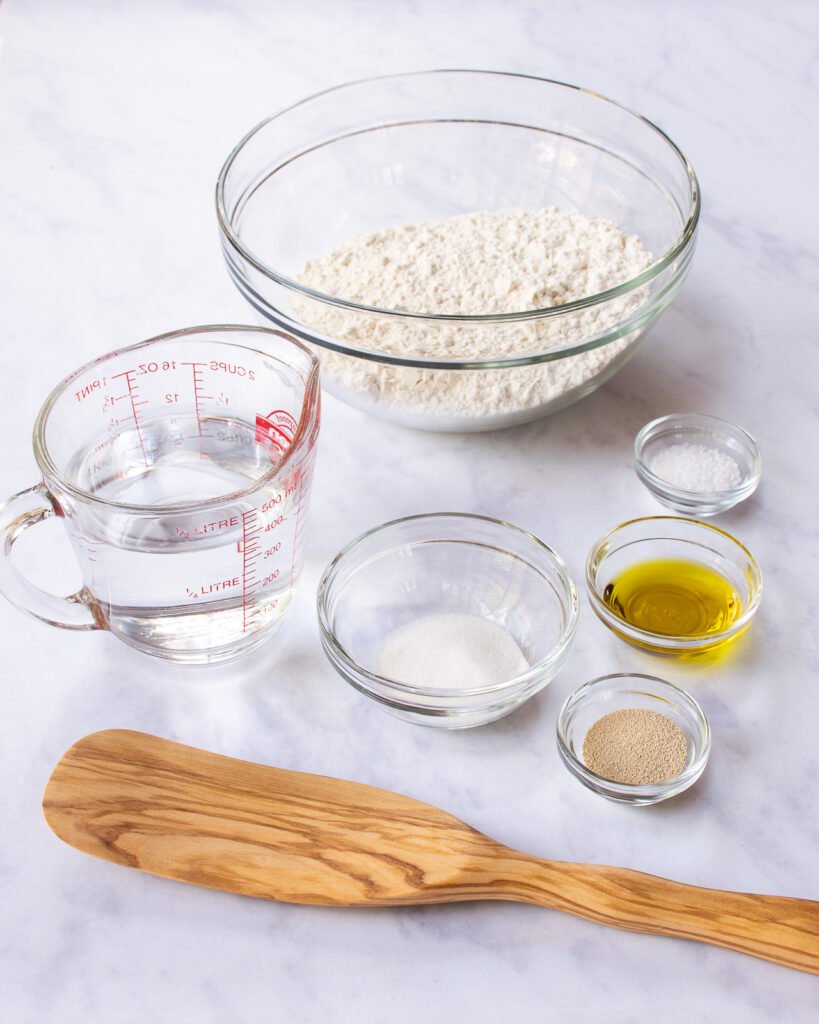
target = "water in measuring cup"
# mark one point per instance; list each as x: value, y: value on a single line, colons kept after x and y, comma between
x: 217, y: 579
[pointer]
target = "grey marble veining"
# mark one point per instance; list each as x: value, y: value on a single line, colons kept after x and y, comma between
x: 114, y: 120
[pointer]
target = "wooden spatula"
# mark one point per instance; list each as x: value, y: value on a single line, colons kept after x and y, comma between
x: 198, y: 817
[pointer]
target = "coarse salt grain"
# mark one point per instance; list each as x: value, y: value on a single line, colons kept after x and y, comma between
x: 696, y: 467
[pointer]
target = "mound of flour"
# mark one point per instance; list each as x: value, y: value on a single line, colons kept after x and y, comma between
x: 478, y: 263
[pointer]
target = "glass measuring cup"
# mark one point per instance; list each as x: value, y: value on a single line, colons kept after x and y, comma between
x: 181, y: 468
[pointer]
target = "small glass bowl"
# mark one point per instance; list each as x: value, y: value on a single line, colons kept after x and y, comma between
x: 437, y: 564
x: 692, y: 428
x: 670, y: 537
x: 617, y: 692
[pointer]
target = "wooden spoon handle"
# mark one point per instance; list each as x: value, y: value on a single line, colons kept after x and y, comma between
x: 781, y: 929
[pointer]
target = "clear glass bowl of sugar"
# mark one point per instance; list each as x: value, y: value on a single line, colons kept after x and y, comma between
x: 448, y: 620
x: 697, y: 465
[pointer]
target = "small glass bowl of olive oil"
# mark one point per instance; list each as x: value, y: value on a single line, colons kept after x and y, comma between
x: 673, y: 585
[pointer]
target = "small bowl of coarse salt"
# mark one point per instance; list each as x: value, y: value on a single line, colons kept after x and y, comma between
x: 697, y: 465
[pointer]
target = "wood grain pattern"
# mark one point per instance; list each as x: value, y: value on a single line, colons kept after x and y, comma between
x: 199, y: 817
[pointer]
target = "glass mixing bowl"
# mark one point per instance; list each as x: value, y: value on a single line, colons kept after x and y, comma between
x: 410, y: 148
x: 447, y: 564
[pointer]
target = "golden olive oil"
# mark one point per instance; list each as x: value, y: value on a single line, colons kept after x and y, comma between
x: 673, y: 597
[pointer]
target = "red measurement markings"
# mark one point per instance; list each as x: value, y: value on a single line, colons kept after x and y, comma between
x: 275, y: 432
x: 198, y: 398
x: 215, y: 587
x: 90, y: 388
x: 89, y: 546
x: 251, y: 552
x: 201, y: 529
x: 301, y: 482
x: 136, y: 404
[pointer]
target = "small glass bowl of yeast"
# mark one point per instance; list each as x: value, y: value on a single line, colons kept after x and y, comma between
x: 697, y: 465
x: 448, y: 620
x: 621, y: 692
x: 673, y: 586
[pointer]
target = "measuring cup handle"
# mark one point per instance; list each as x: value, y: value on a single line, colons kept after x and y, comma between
x: 18, y: 514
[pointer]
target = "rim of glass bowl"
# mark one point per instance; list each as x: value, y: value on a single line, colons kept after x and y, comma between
x: 681, y: 697
x: 659, y: 640
x: 657, y: 483
x: 569, y: 601
x: 48, y: 468
x: 660, y: 264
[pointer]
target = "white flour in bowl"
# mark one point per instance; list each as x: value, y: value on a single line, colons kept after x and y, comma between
x: 477, y: 263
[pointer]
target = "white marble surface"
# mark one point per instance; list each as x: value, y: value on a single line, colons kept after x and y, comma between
x: 114, y: 119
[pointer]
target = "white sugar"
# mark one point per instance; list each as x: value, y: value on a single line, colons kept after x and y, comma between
x: 696, y: 467
x: 451, y: 651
